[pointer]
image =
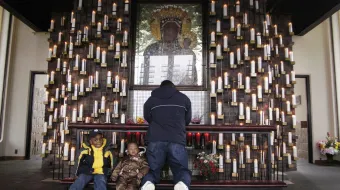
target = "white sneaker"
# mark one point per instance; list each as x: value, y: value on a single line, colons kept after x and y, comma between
x: 148, y: 186
x: 181, y: 186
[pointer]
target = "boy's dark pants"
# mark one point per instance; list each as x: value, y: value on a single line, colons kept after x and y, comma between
x: 177, y: 157
x: 82, y: 180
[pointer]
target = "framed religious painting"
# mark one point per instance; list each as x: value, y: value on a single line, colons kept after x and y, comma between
x: 168, y: 45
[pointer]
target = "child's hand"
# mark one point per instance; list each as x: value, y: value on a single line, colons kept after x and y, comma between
x: 140, y: 175
x: 114, y: 178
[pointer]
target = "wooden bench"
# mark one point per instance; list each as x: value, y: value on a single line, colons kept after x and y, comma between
x: 212, y: 185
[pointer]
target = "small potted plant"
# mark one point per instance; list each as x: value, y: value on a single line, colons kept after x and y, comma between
x: 207, y: 165
x: 330, y: 147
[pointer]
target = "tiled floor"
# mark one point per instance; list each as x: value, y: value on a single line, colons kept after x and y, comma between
x: 21, y: 175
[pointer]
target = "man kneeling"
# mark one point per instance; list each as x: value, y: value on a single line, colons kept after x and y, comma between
x: 167, y: 111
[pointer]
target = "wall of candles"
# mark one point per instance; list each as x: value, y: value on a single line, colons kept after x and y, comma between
x: 250, y: 80
x: 251, y: 71
x: 88, y: 67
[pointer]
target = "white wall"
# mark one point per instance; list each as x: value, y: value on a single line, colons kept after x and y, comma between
x: 313, y: 57
x: 28, y: 52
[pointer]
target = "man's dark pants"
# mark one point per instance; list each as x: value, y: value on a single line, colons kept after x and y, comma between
x: 177, y: 157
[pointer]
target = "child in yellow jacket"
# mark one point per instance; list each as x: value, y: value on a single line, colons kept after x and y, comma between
x: 94, y: 163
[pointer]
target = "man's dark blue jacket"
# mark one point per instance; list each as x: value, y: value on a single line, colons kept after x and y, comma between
x: 167, y: 111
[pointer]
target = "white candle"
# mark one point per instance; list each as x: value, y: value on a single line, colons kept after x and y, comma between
x: 54, y: 50
x: 213, y: 87
x: 66, y: 147
x: 225, y: 42
x: 109, y: 78
x: 99, y: 27
x: 55, y: 113
x: 93, y: 20
x: 284, y: 148
x: 290, y: 26
x: 220, y: 162
x: 90, y: 81
x: 273, y: 158
x: 103, y: 56
x: 119, y: 24
x: 52, y: 76
x: 234, y: 166
x: 280, y: 40
x: 126, y: 7
x: 292, y: 74
x: 245, y: 18
x: 95, y: 107
x: 270, y: 77
x: 287, y: 79
x: 214, y: 147
x: 272, y: 138
x: 218, y: 50
x: 286, y: 53
x: 52, y: 103
x: 114, y: 8
x: 239, y: 79
x: 232, y: 22
x: 76, y: 90
x: 259, y: 91
x: 218, y: 26
x: 125, y: 36
x: 66, y: 123
x: 52, y: 25
x: 266, y: 84
x: 256, y: 4
x: 108, y: 120
x: 212, y: 119
x: 59, y: 37
x: 291, y: 56
x: 283, y: 93
x: 96, y: 80
x: 102, y: 105
x: 99, y: 5
x: 270, y: 113
x: 256, y: 169
x: 283, y: 117
x: 117, y: 82
x: 73, y: 23
x: 252, y: 34
x: 123, y: 86
x: 277, y: 114
x: 62, y: 136
x: 115, y: 107
x: 81, y: 111
x: 114, y: 138
x: 219, y: 83
x: 234, y: 96
x: 233, y: 137
x: 253, y: 98
x: 259, y: 63
x: 225, y: 10
x: 232, y: 58
x: 254, y: 139
x: 258, y: 37
x: 106, y: 19
x: 247, y: 152
x: 220, y: 139
x: 219, y: 108
x: 288, y: 106
x: 74, y: 115
x: 246, y: 50
x: 238, y: 30
x: 252, y: 67
x: 238, y: 55
x: 49, y: 55
x: 295, y: 151
x: 228, y: 152
x: 261, y: 117
x: 290, y: 137
x: 251, y: 3
x: 212, y: 37
x: 212, y: 8
x: 122, y: 118
x: 211, y: 58
x: 43, y: 148
x: 248, y: 113
x: 117, y: 48
x: 241, y: 111
x: 122, y: 145
x: 49, y: 145
x: 73, y: 150
x: 247, y: 83
x: 98, y: 53
x: 112, y: 40
x: 294, y: 120
x: 226, y: 80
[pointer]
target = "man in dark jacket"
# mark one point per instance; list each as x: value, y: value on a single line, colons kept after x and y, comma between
x: 167, y: 111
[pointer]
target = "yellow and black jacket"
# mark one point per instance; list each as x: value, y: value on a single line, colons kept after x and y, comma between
x: 94, y: 160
